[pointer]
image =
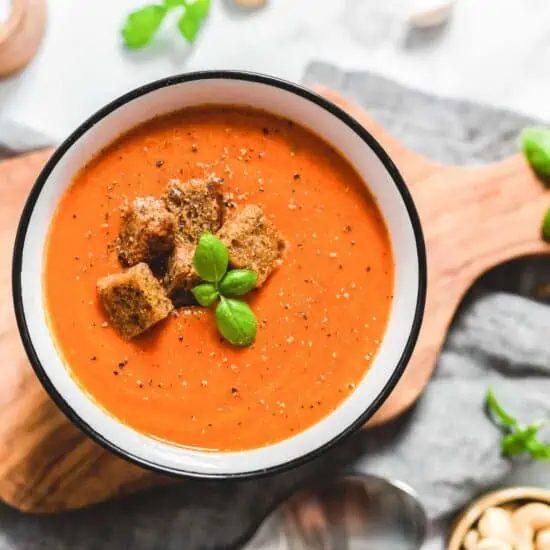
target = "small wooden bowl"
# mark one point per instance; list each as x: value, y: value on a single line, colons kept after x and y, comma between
x: 21, y: 34
x: 497, y: 498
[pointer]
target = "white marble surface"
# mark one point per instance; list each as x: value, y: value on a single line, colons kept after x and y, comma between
x: 5, y: 6
x: 495, y: 52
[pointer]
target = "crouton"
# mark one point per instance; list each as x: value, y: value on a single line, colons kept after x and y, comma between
x: 134, y: 300
x: 197, y: 205
x: 147, y: 232
x: 181, y: 276
x: 253, y: 241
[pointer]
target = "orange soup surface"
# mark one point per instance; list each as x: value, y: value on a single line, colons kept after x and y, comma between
x: 321, y: 314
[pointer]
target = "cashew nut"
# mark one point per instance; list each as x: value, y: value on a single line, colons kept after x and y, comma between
x: 470, y: 540
x: 523, y: 537
x: 543, y: 540
x: 492, y: 544
x: 503, y: 528
x: 496, y: 523
x: 430, y: 13
x: 535, y: 515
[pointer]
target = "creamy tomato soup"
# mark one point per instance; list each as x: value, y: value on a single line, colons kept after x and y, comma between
x: 321, y: 315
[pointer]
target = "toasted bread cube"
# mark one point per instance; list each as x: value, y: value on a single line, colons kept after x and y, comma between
x: 147, y: 233
x: 181, y: 276
x: 134, y: 300
x: 253, y: 241
x: 197, y: 205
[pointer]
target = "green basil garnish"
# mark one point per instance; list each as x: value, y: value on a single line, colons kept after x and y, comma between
x: 494, y: 407
x: 206, y: 294
x: 211, y: 258
x: 199, y: 9
x: 141, y: 25
x: 236, y: 322
x: 189, y: 26
x: 238, y: 282
x: 546, y: 226
x: 517, y: 439
x: 535, y: 143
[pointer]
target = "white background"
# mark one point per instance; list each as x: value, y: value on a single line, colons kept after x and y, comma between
x: 493, y: 51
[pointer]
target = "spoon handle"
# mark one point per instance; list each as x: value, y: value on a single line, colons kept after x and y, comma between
x: 306, y: 525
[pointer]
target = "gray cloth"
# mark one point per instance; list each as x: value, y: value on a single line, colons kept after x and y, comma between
x: 445, y: 447
x: 19, y: 139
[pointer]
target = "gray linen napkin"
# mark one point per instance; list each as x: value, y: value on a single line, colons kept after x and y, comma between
x: 445, y: 447
x: 15, y: 138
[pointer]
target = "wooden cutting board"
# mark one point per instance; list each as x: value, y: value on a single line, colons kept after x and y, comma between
x: 473, y: 219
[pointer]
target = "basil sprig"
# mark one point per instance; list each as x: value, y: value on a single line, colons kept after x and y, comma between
x: 238, y: 282
x: 211, y: 258
x: 206, y: 294
x: 535, y: 144
x: 141, y: 25
x: 236, y: 321
x: 546, y: 226
x: 517, y: 439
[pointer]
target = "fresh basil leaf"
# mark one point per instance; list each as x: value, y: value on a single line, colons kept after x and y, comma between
x: 538, y: 450
x: 189, y: 25
x: 519, y: 439
x: 174, y: 3
x: 522, y: 436
x: 512, y: 444
x: 546, y: 226
x: 206, y: 294
x: 141, y: 25
x: 211, y: 258
x: 498, y: 411
x: 533, y: 429
x: 236, y: 322
x: 190, y: 22
x: 533, y: 446
x: 238, y: 282
x: 199, y: 8
x: 535, y: 143
x: 523, y: 440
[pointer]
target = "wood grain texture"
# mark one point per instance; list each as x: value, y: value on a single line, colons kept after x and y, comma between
x: 473, y: 219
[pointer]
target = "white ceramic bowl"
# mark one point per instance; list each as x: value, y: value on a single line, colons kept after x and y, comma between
x: 278, y: 97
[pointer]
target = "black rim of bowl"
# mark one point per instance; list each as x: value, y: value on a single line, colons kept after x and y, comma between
x: 325, y: 104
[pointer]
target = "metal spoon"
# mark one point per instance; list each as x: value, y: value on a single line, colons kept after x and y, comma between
x: 351, y: 512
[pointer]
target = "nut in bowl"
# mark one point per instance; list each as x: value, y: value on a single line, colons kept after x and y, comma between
x: 241, y: 265
x: 509, y: 519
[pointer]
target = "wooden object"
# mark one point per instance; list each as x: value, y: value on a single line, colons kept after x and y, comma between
x: 473, y: 219
x: 504, y: 497
x: 21, y: 35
